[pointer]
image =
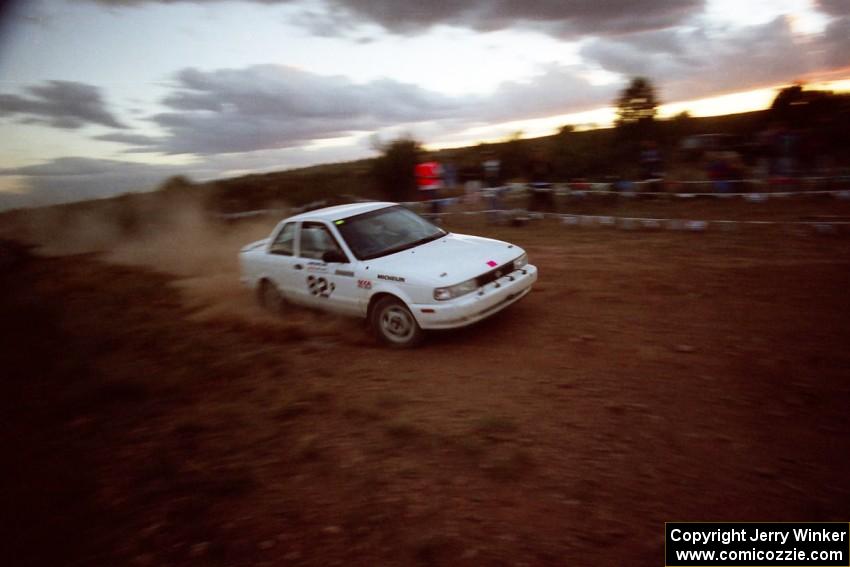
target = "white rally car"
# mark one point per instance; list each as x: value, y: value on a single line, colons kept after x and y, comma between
x: 384, y: 262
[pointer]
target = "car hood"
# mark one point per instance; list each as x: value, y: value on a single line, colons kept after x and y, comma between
x: 446, y: 261
x: 254, y: 245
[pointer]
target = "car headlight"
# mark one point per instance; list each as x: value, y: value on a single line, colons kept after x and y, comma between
x: 521, y: 262
x: 445, y: 293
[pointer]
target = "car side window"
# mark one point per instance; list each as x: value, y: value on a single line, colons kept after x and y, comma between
x: 316, y: 239
x: 284, y: 244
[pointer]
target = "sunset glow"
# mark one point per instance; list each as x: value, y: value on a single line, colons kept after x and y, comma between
x: 112, y: 96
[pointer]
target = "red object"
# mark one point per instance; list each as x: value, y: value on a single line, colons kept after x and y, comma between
x: 492, y: 264
x: 428, y: 175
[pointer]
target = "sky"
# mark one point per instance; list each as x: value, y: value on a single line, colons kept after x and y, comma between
x: 100, y: 97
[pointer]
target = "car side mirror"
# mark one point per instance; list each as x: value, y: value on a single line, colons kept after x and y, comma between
x: 334, y: 257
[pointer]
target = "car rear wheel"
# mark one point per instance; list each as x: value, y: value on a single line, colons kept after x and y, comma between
x: 394, y: 324
x: 270, y: 298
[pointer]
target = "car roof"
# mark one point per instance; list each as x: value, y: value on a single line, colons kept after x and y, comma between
x: 340, y: 211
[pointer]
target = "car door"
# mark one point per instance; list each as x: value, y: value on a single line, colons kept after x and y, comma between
x: 281, y: 261
x: 328, y: 285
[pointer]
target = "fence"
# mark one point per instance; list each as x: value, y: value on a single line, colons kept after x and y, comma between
x: 821, y: 226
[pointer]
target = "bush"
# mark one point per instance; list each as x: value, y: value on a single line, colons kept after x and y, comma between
x: 394, y: 171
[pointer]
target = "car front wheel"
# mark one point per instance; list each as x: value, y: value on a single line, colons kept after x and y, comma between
x: 270, y: 298
x: 394, y: 324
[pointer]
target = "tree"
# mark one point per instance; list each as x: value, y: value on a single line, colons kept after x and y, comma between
x: 823, y: 117
x: 680, y: 126
x: 513, y: 156
x: 175, y: 184
x: 394, y: 171
x: 785, y: 101
x: 576, y: 155
x: 637, y: 105
x: 798, y: 107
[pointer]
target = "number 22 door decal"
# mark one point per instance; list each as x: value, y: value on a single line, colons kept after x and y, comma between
x: 320, y: 286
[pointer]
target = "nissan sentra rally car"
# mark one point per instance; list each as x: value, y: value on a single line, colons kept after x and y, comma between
x: 387, y: 264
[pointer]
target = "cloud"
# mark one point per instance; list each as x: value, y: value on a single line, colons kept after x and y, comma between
x: 70, y: 179
x: 579, y: 17
x: 75, y: 166
x: 60, y: 104
x: 837, y: 8
x: 270, y: 106
x: 326, y: 23
x: 557, y: 17
x: 130, y: 139
x: 557, y: 89
x: 836, y: 43
x: 690, y: 63
x: 269, y: 118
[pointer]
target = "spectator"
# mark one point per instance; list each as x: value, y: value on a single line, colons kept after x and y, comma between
x: 429, y: 180
x: 449, y: 175
x: 652, y: 167
x: 540, y: 185
x: 492, y: 187
x: 718, y: 170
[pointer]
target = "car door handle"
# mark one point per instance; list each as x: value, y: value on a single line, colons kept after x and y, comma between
x: 298, y: 267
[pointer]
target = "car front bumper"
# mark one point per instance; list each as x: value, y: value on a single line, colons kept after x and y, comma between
x: 478, y: 305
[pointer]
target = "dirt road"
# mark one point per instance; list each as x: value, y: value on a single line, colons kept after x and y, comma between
x: 649, y: 377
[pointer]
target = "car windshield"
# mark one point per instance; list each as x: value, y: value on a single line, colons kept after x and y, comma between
x: 386, y: 231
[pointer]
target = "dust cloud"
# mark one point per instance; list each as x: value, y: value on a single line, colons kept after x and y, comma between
x: 178, y: 236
